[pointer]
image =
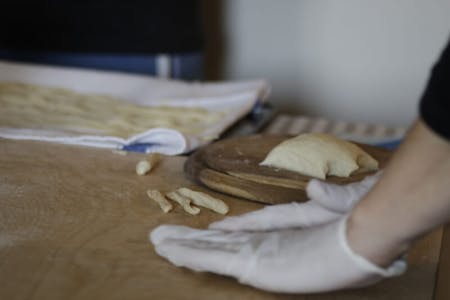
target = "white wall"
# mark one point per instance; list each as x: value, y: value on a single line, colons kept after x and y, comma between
x: 359, y: 60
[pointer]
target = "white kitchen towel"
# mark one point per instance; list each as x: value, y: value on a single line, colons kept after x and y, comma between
x: 235, y: 98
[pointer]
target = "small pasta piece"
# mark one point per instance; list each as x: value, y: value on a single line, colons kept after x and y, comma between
x: 163, y: 203
x: 146, y: 165
x: 142, y: 167
x: 205, y: 200
x: 184, y: 202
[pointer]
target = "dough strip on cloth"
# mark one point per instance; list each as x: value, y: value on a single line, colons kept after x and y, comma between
x: 169, y: 126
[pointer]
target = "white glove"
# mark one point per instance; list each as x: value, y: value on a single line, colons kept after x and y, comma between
x: 314, y: 259
x: 327, y: 203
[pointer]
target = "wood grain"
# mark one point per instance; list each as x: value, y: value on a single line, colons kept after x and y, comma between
x: 74, y: 224
x: 443, y: 275
x: 232, y: 166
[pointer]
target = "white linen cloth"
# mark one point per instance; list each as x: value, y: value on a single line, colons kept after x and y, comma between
x: 237, y: 98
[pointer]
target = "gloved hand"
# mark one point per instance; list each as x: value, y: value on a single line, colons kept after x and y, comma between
x: 312, y: 259
x: 327, y: 203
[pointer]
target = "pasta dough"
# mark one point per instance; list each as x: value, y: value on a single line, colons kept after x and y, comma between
x: 319, y: 155
x: 63, y: 110
x: 205, y: 200
x: 163, y: 203
x: 184, y: 202
x: 146, y: 165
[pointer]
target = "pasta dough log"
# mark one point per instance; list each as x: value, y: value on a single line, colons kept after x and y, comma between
x: 205, y: 200
x: 184, y: 202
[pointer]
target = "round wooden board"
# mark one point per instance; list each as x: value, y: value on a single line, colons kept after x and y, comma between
x: 232, y: 166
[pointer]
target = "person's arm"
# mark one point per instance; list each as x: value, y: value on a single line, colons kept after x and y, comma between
x: 411, y: 198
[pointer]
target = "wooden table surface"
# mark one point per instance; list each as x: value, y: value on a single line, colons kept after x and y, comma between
x: 74, y: 224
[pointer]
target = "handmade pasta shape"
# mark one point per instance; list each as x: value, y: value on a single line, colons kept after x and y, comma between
x: 185, y: 202
x: 146, y: 165
x: 163, y: 203
x: 143, y: 167
x: 205, y: 200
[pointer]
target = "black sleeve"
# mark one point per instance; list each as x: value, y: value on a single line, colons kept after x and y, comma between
x: 434, y: 105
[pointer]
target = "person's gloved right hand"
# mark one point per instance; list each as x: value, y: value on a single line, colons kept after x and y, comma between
x: 328, y: 202
x: 314, y: 258
x: 307, y: 260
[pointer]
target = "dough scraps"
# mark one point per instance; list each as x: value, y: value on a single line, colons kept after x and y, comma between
x: 163, y: 203
x: 205, y: 200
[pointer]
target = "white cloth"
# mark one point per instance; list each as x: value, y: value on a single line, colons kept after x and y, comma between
x: 238, y: 98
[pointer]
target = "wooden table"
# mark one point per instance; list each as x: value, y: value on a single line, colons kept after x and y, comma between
x: 74, y: 224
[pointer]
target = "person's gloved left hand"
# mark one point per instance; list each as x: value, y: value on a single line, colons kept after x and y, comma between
x: 312, y: 259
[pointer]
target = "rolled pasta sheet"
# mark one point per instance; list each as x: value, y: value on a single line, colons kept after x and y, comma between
x: 205, y: 200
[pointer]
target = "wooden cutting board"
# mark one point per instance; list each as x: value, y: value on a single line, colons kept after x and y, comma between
x: 232, y: 166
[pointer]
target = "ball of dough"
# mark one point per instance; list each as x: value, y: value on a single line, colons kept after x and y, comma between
x: 318, y: 155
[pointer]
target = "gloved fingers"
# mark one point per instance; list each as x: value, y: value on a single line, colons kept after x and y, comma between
x: 337, y: 198
x: 340, y: 198
x: 201, y: 250
x: 177, y: 232
x: 282, y: 216
x: 371, y: 180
